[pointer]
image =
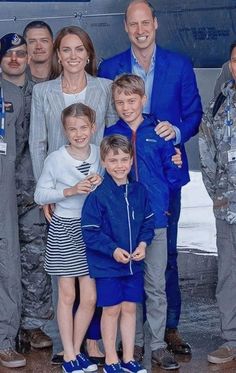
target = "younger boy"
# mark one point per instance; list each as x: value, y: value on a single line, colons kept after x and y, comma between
x: 154, y: 168
x: 117, y: 225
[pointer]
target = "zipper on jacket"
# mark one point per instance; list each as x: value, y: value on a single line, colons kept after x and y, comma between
x: 133, y: 142
x: 129, y: 225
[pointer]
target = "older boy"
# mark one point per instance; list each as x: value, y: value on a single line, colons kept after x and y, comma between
x: 154, y: 168
x: 117, y: 225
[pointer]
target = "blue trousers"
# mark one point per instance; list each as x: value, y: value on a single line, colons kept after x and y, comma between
x: 94, y: 330
x: 172, y: 278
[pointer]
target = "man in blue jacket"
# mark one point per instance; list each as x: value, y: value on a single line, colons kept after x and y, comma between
x: 154, y: 168
x: 172, y: 96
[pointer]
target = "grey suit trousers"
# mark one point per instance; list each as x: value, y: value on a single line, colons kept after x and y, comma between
x: 154, y: 286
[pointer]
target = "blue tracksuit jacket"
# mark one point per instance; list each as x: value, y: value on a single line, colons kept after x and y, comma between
x: 115, y: 216
x: 152, y: 164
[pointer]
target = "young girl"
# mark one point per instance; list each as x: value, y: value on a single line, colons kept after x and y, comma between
x: 69, y: 174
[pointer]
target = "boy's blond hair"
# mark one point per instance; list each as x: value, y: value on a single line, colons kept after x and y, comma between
x: 128, y: 84
x: 115, y: 143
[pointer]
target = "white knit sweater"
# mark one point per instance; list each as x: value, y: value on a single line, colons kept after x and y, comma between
x: 60, y: 172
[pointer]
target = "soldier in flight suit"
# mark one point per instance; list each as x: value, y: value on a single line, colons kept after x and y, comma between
x: 11, y: 117
x: 36, y: 285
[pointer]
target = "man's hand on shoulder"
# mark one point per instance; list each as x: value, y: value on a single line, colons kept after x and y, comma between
x: 166, y: 130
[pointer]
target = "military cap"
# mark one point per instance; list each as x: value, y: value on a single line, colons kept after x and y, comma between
x: 10, y: 41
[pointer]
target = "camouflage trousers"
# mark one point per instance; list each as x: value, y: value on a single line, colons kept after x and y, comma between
x: 226, y: 284
x: 36, y: 283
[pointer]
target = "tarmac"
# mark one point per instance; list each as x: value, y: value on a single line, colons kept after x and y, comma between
x: 199, y: 322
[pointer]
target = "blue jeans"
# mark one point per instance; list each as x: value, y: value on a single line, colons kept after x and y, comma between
x: 172, y: 279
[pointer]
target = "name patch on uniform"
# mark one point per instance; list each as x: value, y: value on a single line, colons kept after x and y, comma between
x: 232, y: 155
x: 8, y: 107
x: 3, y: 148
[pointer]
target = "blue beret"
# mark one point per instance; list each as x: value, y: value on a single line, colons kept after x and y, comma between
x: 10, y: 41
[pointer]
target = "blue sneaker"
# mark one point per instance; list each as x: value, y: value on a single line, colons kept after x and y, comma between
x: 71, y: 367
x: 85, y: 363
x: 133, y: 367
x: 113, y: 368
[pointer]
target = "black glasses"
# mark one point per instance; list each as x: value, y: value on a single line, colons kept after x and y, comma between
x: 18, y: 53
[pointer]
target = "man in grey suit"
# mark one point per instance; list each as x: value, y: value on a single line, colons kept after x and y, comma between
x: 11, y: 115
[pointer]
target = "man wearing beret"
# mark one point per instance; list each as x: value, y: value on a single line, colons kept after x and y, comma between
x: 36, y: 285
x: 11, y: 117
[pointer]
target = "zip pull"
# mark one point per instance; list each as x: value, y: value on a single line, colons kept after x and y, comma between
x: 129, y: 225
x: 228, y: 120
x: 135, y: 164
x: 126, y: 194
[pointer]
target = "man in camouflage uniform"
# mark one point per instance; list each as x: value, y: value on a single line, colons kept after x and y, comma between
x: 39, y: 38
x: 224, y: 76
x: 217, y: 144
x: 36, y: 285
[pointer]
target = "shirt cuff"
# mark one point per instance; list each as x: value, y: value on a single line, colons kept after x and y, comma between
x: 177, y: 136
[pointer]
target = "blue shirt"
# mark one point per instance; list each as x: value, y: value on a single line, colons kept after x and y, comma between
x: 148, y: 77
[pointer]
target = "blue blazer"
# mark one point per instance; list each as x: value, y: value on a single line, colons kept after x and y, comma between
x: 175, y: 94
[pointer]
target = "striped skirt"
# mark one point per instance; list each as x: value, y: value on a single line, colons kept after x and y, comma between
x: 65, y: 253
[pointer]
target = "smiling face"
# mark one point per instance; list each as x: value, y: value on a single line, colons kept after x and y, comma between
x: 129, y: 107
x: 39, y: 45
x: 79, y: 131
x: 72, y: 54
x: 118, y: 165
x: 14, y: 62
x: 141, y: 26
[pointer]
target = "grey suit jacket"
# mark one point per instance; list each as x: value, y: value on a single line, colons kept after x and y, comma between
x: 46, y: 130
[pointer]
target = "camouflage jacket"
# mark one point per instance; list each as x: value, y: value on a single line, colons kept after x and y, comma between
x: 217, y: 146
x: 25, y: 182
